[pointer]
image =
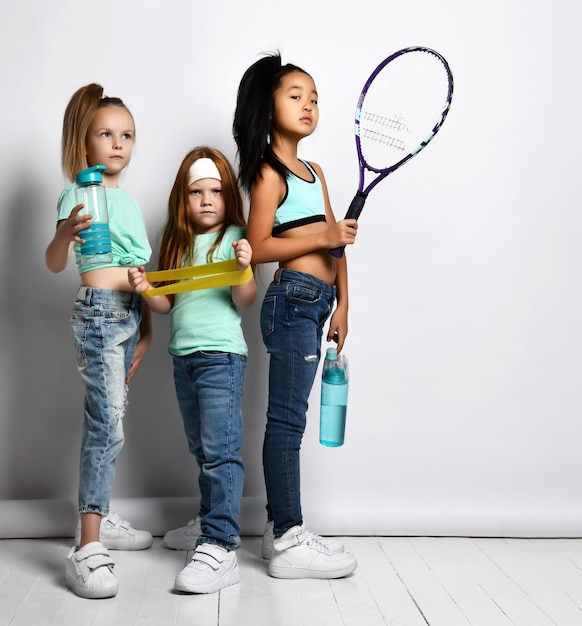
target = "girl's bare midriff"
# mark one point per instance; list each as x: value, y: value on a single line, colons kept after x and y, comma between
x: 111, y: 278
x: 319, y: 263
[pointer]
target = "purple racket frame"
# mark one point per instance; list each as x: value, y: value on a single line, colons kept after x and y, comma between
x: 359, y: 199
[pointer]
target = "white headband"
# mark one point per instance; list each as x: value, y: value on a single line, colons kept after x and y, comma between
x: 203, y: 168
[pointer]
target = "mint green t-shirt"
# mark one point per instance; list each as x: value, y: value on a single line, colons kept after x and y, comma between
x: 207, y: 319
x: 129, y: 240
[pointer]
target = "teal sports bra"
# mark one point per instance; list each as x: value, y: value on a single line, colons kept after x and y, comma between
x: 303, y: 202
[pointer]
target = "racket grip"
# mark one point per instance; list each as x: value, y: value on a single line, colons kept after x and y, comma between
x: 337, y: 252
x: 353, y: 212
x: 356, y: 206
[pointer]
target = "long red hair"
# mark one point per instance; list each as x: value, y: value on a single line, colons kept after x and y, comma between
x: 179, y: 235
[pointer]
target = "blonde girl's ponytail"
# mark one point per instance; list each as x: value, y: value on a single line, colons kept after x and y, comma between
x: 77, y: 119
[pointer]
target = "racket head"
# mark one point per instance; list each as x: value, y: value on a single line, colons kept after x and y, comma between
x: 400, y: 109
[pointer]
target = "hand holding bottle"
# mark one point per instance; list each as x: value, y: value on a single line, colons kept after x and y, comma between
x: 96, y: 246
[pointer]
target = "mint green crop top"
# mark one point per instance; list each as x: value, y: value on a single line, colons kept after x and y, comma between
x: 207, y: 319
x: 303, y: 203
x: 129, y: 240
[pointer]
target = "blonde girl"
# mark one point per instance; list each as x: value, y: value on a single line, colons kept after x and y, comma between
x: 110, y: 335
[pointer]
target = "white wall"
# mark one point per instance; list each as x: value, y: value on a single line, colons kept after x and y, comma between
x: 465, y: 338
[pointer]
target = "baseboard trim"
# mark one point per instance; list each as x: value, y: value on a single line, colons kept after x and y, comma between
x: 57, y: 518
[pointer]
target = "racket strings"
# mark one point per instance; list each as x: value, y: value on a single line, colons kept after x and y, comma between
x: 372, y: 122
x: 402, y: 106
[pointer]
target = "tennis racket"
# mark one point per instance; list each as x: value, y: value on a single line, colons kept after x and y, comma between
x: 401, y: 108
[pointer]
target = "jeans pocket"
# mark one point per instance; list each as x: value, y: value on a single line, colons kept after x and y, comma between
x: 268, y: 315
x: 79, y: 330
x: 303, y: 293
x: 116, y: 314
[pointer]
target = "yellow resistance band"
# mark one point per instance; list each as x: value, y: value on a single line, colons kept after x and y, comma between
x: 221, y: 274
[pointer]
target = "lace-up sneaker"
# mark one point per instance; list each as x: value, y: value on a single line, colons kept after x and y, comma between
x: 211, y: 569
x: 186, y: 537
x: 267, y: 544
x: 89, y: 572
x: 118, y: 534
x: 301, y: 554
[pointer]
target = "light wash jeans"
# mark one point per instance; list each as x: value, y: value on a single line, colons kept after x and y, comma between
x: 294, y: 310
x: 209, y: 388
x: 105, y: 327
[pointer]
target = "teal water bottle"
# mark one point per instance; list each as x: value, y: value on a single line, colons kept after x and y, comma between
x: 334, y: 399
x: 90, y: 191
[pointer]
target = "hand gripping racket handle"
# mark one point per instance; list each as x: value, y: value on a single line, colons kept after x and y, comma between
x: 354, y: 211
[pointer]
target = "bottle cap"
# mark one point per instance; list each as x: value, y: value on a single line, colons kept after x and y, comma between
x: 91, y: 175
x: 331, y: 354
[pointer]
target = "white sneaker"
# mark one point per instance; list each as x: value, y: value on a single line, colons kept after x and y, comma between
x: 89, y: 572
x: 300, y: 554
x: 186, y: 537
x: 267, y: 544
x: 211, y: 569
x: 118, y: 534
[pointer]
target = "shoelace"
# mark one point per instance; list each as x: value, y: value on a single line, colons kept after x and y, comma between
x: 315, y: 540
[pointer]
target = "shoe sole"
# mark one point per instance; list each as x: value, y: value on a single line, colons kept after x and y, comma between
x: 114, y: 545
x: 233, y: 578
x: 120, y: 545
x: 283, y: 571
x: 90, y: 594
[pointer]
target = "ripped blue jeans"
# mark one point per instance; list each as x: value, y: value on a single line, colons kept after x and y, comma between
x: 294, y: 311
x: 105, y: 327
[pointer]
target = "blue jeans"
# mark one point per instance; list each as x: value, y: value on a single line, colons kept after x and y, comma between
x: 209, y: 388
x: 294, y: 310
x: 105, y: 327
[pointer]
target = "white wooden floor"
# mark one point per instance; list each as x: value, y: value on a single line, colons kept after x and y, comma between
x: 399, y: 581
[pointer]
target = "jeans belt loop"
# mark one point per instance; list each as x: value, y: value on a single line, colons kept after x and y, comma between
x: 83, y: 294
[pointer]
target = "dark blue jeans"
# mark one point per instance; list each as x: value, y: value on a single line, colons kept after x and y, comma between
x: 294, y: 311
x: 209, y: 387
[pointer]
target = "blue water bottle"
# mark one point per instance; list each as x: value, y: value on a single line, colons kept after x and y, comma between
x: 334, y: 399
x: 90, y: 191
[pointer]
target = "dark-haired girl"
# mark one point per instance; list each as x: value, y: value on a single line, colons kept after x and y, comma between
x: 291, y: 223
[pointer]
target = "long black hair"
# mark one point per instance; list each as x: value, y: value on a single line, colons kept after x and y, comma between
x: 252, y: 117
